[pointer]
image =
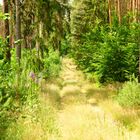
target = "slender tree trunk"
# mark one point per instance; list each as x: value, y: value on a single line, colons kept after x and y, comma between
x: 119, y: 12
x: 137, y: 10
x: 139, y: 57
x: 110, y: 18
x: 138, y: 20
x: 134, y: 19
x: 6, y: 30
x: 18, y: 31
x: 12, y: 24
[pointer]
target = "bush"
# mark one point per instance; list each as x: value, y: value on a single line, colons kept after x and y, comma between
x: 129, y: 95
x: 65, y: 47
x: 51, y: 64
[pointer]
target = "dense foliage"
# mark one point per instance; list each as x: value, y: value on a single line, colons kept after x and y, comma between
x: 37, y: 34
x: 106, y: 53
x: 19, y: 86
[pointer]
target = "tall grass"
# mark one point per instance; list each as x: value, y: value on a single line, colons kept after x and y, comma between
x: 34, y: 123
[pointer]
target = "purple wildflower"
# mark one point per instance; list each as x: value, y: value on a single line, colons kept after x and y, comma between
x: 32, y: 75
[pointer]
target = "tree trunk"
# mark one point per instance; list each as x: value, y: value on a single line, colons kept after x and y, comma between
x: 18, y: 31
x: 139, y: 59
x: 6, y: 30
x: 138, y: 20
x: 109, y: 11
x: 12, y: 25
x: 119, y: 12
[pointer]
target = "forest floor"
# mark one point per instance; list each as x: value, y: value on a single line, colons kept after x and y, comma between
x: 72, y: 108
x: 88, y: 112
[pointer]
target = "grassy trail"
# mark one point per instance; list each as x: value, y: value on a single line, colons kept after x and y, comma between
x: 71, y: 108
x: 87, y: 112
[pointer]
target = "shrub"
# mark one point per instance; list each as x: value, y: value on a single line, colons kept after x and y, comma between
x: 51, y: 64
x: 129, y: 95
x: 65, y: 46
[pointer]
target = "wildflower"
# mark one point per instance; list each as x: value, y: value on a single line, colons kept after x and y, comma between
x: 32, y: 75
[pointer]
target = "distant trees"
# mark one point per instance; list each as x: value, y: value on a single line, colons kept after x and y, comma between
x: 124, y: 7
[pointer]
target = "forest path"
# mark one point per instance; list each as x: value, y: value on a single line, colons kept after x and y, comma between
x: 83, y: 116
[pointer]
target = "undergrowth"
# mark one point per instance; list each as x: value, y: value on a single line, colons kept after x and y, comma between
x: 129, y: 95
x: 19, y: 94
x: 35, y: 123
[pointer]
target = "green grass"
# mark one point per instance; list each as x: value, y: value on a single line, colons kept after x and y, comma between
x: 36, y: 123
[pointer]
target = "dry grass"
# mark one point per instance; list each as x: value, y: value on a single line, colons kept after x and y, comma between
x: 127, y: 117
x: 71, y: 108
x: 92, y: 115
x: 37, y: 123
x: 85, y: 122
x: 70, y: 90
